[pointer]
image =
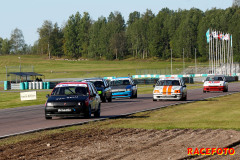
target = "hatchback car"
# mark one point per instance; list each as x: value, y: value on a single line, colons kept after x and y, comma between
x: 215, y: 83
x: 170, y: 89
x: 73, y: 99
x: 103, y: 88
x: 123, y: 87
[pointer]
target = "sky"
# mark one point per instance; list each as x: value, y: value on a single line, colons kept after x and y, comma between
x: 29, y: 15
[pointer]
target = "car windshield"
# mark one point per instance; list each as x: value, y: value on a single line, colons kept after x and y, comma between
x: 119, y: 82
x: 168, y: 83
x: 71, y: 90
x: 97, y: 83
x: 214, y: 79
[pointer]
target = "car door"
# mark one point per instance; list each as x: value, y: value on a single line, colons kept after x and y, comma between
x: 184, y: 88
x: 96, y: 97
x: 134, y: 87
x: 92, y: 99
x: 107, y: 89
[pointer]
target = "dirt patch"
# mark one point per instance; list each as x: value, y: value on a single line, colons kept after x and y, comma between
x: 128, y: 144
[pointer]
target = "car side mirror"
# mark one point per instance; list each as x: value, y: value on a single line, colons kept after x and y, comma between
x: 184, y: 86
x: 47, y: 96
x: 154, y: 85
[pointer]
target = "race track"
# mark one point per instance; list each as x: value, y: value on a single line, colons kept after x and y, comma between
x: 31, y: 118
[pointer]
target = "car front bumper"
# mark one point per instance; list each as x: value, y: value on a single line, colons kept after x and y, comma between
x: 65, y: 112
x: 122, y: 94
x: 167, y: 97
x: 213, y: 88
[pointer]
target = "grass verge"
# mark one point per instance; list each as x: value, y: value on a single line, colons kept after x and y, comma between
x: 216, y: 113
x: 12, y: 99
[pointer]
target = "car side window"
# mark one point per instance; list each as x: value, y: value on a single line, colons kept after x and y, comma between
x: 90, y: 89
x: 93, y: 89
x: 104, y: 82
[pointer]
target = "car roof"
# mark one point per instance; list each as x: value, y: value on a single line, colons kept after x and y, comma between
x: 121, y: 78
x: 79, y: 84
x: 170, y: 78
x: 73, y: 83
x: 89, y: 79
x: 216, y: 76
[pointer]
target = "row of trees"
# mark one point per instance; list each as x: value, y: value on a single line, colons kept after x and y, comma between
x: 142, y: 36
x: 16, y: 44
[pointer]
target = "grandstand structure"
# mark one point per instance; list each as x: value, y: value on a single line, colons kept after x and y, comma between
x: 236, y: 3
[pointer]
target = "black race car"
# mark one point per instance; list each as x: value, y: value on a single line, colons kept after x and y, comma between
x: 73, y: 99
x: 103, y: 88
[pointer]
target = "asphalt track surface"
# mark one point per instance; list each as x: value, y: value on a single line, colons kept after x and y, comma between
x: 31, y: 118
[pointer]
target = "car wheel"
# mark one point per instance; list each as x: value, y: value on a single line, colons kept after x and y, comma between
x: 204, y: 91
x: 110, y: 99
x: 135, y: 96
x: 88, y: 112
x: 47, y: 117
x: 154, y: 99
x: 132, y: 96
x: 98, y: 112
x: 225, y: 90
x: 104, y: 99
x: 185, y: 98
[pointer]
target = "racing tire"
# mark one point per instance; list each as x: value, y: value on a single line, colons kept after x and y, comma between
x: 135, y: 96
x: 154, y: 99
x: 88, y: 112
x: 204, y: 91
x: 132, y: 96
x: 185, y: 98
x: 98, y: 112
x: 47, y: 117
x: 103, y: 99
x: 110, y: 99
x: 225, y: 90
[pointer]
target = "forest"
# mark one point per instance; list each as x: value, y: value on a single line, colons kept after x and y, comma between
x: 142, y: 36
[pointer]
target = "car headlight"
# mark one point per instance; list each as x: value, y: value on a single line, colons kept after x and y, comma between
x: 50, y: 104
x: 79, y: 103
x: 156, y: 91
x: 129, y: 89
x: 177, y: 91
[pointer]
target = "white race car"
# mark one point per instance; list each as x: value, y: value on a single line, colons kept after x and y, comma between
x: 170, y: 89
x: 215, y: 83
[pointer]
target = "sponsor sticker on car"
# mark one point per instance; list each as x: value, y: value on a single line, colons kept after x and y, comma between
x: 64, y: 110
x: 71, y: 85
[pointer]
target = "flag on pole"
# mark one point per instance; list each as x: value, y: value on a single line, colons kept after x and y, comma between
x: 226, y: 37
x: 208, y: 36
x: 215, y: 34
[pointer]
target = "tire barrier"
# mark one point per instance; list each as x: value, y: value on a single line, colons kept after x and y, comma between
x: 7, y: 85
x: 26, y: 85
x: 22, y: 86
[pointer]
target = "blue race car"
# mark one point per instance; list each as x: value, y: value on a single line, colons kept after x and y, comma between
x: 123, y: 87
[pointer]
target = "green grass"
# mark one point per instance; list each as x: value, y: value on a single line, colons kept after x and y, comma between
x: 12, y: 99
x: 217, y: 113
x: 85, y: 68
